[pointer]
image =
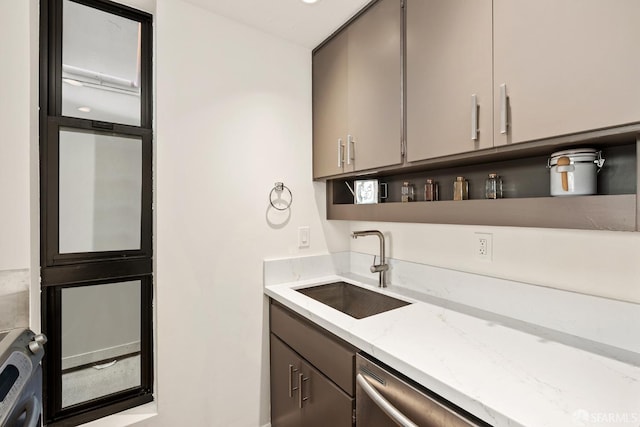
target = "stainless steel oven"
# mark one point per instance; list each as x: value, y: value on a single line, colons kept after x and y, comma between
x: 20, y: 378
x: 384, y: 399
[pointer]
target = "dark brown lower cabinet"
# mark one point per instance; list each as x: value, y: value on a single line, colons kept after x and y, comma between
x: 301, y: 395
x: 312, y: 374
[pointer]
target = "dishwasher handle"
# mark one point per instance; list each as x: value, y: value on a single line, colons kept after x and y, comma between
x: 383, y: 403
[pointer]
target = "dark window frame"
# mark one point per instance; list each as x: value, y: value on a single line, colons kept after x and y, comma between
x: 91, y: 410
x: 52, y: 256
x: 60, y: 271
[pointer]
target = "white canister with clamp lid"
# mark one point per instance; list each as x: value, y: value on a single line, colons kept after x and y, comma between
x: 574, y: 172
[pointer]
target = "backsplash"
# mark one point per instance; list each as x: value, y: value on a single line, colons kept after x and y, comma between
x: 594, y: 323
x: 14, y: 299
x: 287, y: 270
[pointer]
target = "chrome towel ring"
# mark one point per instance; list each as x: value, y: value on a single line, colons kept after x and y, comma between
x: 279, y: 188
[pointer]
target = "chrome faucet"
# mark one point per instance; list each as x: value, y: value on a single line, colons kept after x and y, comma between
x: 376, y: 268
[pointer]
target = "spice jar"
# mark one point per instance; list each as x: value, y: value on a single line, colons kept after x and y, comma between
x: 408, y: 192
x: 430, y: 190
x: 493, y: 187
x: 460, y: 189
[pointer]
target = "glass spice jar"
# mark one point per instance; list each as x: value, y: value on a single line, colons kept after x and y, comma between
x: 460, y: 189
x: 407, y: 192
x: 493, y: 187
x: 430, y: 190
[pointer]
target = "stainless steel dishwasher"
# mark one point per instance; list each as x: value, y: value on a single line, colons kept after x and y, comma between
x: 383, y: 399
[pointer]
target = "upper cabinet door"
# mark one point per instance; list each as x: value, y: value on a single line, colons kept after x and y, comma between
x: 449, y: 77
x: 566, y: 67
x: 330, y: 108
x: 375, y: 87
x: 357, y: 94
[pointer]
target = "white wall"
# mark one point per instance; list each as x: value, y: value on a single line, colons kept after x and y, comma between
x: 19, y: 195
x: 233, y: 117
x: 603, y: 263
x: 15, y: 89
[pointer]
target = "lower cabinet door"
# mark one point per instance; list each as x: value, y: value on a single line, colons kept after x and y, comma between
x: 323, y: 403
x: 317, y: 403
x: 285, y: 367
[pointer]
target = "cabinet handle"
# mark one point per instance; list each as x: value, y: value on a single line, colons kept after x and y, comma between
x: 301, y: 399
x: 349, y: 151
x: 504, y: 122
x: 291, y: 387
x: 340, y: 151
x: 474, y: 117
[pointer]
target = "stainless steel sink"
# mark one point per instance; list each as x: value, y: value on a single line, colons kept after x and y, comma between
x: 352, y: 300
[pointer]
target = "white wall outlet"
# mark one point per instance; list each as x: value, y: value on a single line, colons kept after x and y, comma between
x: 303, y: 237
x: 483, y: 246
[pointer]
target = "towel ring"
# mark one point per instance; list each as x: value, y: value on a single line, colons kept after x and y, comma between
x: 279, y: 187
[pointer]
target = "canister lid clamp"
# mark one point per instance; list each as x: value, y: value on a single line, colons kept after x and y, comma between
x: 578, y: 155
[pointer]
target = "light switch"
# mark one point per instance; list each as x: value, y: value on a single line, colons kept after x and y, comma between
x: 303, y: 237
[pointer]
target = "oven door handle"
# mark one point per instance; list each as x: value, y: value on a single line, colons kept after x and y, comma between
x: 383, y: 403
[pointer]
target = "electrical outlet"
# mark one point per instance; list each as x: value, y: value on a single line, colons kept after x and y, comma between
x: 483, y: 246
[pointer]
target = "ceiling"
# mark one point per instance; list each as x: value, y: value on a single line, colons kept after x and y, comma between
x: 293, y: 20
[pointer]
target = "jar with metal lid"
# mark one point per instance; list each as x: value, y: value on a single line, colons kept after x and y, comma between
x: 493, y: 187
x: 460, y: 189
x: 430, y: 190
x: 574, y: 172
x: 407, y: 192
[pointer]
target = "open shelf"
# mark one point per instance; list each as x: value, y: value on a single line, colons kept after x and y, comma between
x: 612, y: 212
x: 526, y: 204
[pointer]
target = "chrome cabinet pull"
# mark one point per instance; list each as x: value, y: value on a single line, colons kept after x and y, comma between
x: 474, y: 117
x: 291, y: 387
x: 504, y: 122
x: 301, y: 399
x: 340, y: 153
x: 349, y: 150
x: 393, y: 412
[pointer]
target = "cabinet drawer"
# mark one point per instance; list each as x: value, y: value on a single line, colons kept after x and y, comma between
x: 334, y: 357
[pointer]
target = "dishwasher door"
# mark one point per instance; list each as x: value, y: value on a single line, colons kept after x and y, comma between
x: 385, y: 400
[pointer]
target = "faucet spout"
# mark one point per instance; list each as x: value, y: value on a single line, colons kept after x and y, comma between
x: 376, y: 268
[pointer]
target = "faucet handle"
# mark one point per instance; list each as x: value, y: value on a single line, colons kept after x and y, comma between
x: 379, y: 268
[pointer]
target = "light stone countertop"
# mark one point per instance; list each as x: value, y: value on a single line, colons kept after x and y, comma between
x: 503, y: 375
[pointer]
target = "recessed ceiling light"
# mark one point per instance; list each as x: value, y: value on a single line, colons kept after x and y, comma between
x: 72, y: 82
x: 309, y: 1
x: 84, y: 109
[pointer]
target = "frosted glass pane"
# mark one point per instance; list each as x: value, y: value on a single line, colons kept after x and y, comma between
x: 100, y: 340
x: 100, y: 192
x: 100, y: 65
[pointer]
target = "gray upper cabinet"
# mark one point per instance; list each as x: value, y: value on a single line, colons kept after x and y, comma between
x: 566, y: 66
x: 357, y: 94
x: 330, y: 108
x: 490, y: 85
x: 449, y: 77
x: 535, y: 70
